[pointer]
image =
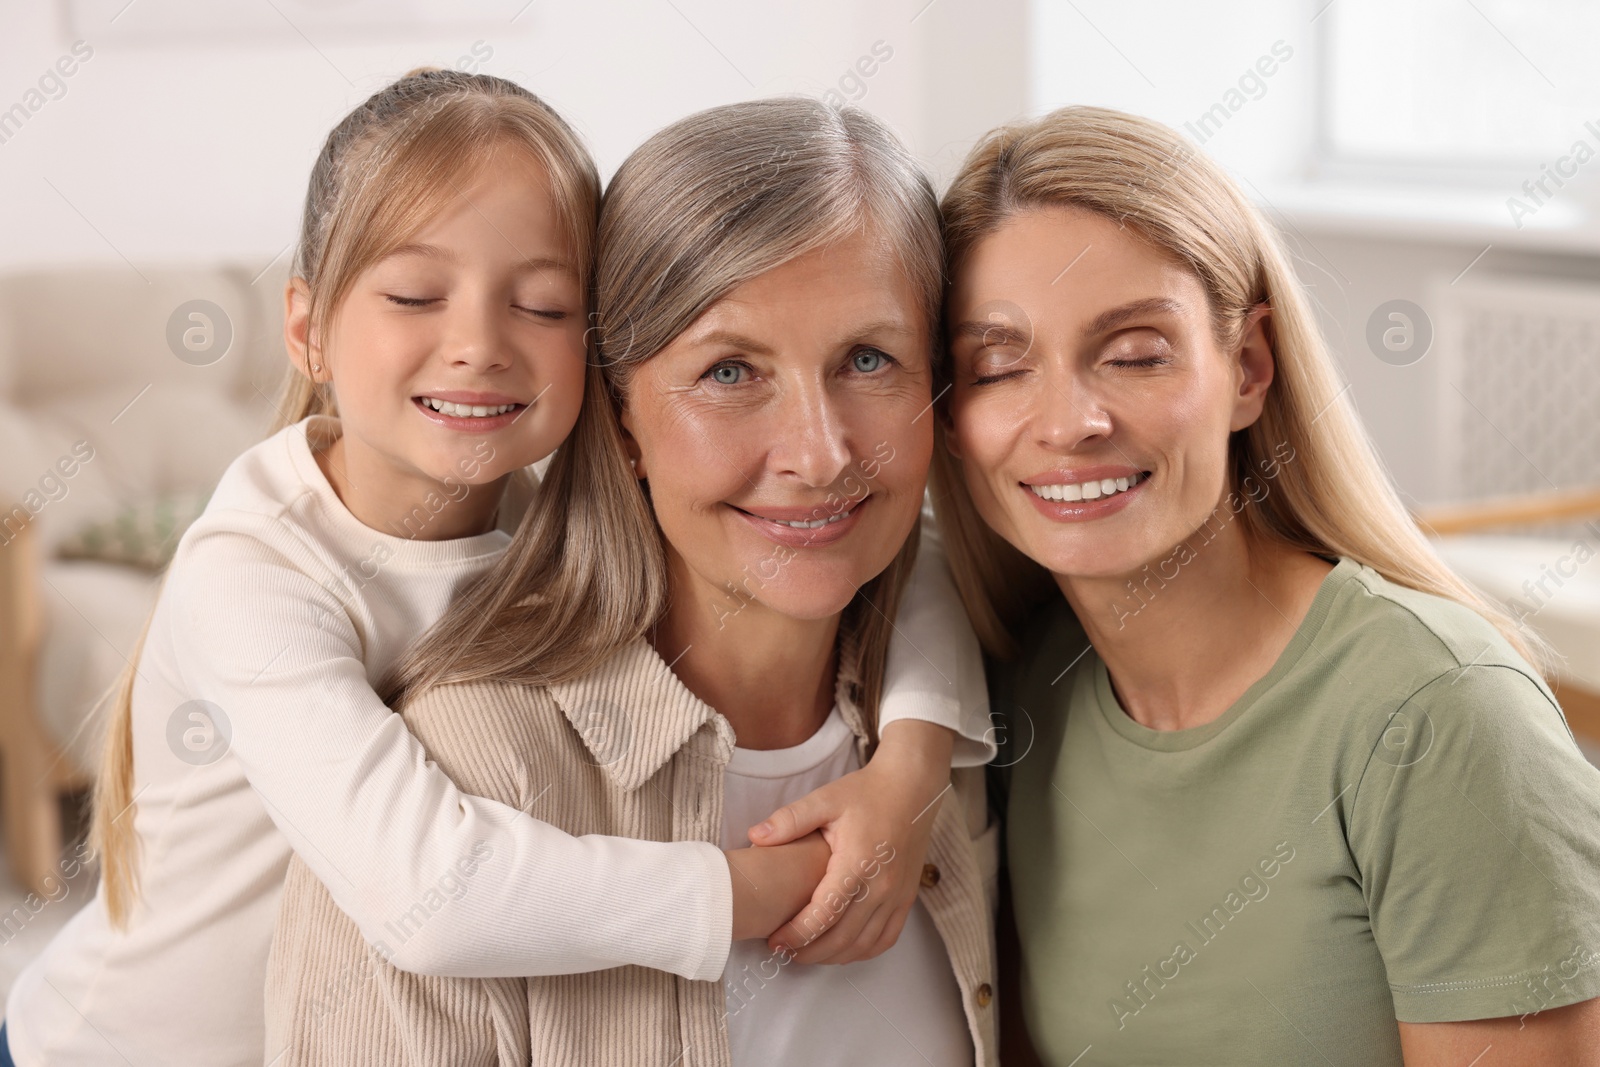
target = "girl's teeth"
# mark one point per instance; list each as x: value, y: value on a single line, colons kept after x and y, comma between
x: 1087, y: 490
x: 467, y: 411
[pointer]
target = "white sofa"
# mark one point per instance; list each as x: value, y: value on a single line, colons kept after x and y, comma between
x: 1548, y: 576
x: 97, y: 412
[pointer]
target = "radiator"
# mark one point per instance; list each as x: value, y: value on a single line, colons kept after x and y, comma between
x: 1520, y: 385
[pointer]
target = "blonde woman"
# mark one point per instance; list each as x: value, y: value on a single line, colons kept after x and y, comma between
x: 1281, y: 788
x: 768, y: 289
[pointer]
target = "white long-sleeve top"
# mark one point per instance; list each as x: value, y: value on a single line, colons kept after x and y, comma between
x: 257, y: 731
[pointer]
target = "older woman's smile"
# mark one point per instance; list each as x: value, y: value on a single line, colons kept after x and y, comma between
x: 801, y: 527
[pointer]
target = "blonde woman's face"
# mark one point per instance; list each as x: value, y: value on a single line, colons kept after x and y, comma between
x: 785, y: 435
x: 1091, y: 404
x: 482, y: 310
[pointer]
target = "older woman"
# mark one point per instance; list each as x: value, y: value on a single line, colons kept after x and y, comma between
x: 1281, y: 788
x: 751, y: 463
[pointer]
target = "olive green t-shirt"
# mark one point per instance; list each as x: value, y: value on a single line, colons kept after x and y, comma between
x: 1395, y: 823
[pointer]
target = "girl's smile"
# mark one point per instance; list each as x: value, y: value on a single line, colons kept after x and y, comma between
x: 470, y: 412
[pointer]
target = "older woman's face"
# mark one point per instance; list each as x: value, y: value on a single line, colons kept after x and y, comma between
x: 786, y: 433
x: 1091, y: 404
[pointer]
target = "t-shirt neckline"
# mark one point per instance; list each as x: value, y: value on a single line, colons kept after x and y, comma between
x: 796, y: 759
x: 1180, y: 740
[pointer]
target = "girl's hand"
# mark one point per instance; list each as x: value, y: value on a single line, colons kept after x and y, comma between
x: 877, y: 821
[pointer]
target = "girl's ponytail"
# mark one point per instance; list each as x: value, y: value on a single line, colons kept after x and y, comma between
x: 111, y: 833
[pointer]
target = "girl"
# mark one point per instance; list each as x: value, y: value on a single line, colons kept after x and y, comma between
x: 783, y: 353
x: 1295, y: 794
x: 439, y: 307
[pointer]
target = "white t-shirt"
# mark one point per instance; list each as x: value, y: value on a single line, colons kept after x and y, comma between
x: 901, y: 1007
x: 280, y: 612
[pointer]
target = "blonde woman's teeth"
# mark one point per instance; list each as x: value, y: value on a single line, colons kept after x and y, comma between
x: 1087, y: 490
x: 467, y: 411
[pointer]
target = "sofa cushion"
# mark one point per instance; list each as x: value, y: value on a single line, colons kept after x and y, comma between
x: 1552, y: 585
x: 66, y: 330
x: 121, y: 446
x: 93, y: 615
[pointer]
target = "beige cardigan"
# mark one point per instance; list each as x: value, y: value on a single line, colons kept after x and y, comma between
x: 626, y: 751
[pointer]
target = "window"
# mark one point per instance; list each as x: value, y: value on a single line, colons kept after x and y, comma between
x: 1456, y: 89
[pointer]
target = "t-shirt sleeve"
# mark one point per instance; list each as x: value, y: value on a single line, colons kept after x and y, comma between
x: 378, y: 821
x: 1476, y: 828
x: 935, y: 668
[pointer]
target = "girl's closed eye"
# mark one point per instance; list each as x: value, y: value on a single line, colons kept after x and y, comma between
x: 553, y: 314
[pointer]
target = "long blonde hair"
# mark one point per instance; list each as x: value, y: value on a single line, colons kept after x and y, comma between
x: 1333, y: 499
x: 704, y: 205
x: 383, y: 172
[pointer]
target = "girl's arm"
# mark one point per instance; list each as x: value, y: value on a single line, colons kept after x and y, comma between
x: 935, y: 711
x: 355, y: 794
x: 935, y: 669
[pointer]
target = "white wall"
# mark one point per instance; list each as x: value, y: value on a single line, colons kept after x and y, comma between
x: 1173, y: 61
x: 173, y: 145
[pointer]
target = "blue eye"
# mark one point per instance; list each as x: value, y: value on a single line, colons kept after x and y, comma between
x: 726, y: 373
x: 868, y: 360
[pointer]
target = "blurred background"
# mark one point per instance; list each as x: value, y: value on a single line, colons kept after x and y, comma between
x: 1431, y: 162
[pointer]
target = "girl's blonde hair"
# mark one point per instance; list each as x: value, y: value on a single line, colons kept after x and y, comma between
x: 386, y: 169
x: 703, y: 206
x: 1333, y: 498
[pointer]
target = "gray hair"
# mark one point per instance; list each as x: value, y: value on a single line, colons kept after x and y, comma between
x: 732, y: 192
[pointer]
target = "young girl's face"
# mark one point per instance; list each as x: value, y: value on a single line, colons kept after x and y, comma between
x: 459, y: 357
x: 786, y: 433
x: 1091, y: 403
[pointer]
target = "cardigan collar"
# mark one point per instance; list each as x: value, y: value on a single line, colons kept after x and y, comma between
x: 633, y: 714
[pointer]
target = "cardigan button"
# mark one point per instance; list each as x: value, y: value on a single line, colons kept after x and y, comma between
x: 985, y: 995
x: 930, y: 876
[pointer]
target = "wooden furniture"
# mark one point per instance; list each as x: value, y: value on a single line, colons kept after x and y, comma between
x: 1501, y: 512
x: 34, y: 772
x: 1580, y: 702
